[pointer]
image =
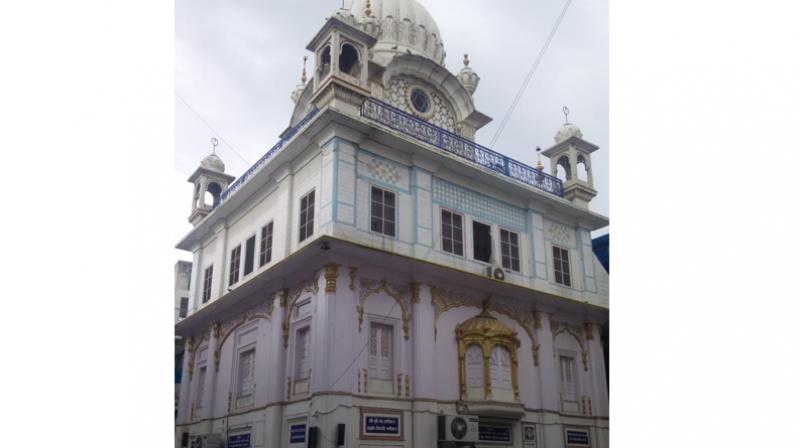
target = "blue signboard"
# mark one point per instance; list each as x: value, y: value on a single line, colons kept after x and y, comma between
x: 494, y: 433
x: 577, y: 437
x: 381, y: 424
x: 239, y: 441
x: 297, y: 433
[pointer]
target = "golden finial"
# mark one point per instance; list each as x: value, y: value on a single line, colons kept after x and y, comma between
x: 466, y: 59
x: 303, y: 78
x: 368, y: 9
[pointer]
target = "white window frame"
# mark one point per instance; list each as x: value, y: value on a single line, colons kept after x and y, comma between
x: 309, y: 205
x: 569, y: 266
x: 383, y: 206
x: 301, y: 386
x: 492, y: 252
x: 208, y: 282
x: 265, y: 247
x: 244, y: 274
x: 376, y: 385
x: 235, y: 266
x: 570, y: 406
x: 248, y: 399
x: 463, y: 233
x: 519, y: 252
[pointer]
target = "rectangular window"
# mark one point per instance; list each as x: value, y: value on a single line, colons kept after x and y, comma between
x: 452, y: 233
x: 249, y: 254
x: 236, y: 255
x: 383, y: 211
x: 246, y: 374
x: 301, y: 361
x: 307, y: 216
x: 201, y: 388
x: 509, y: 248
x: 207, y: 283
x: 266, y: 245
x: 380, y: 351
x: 184, y: 307
x: 567, y: 372
x: 481, y: 242
x: 561, y: 266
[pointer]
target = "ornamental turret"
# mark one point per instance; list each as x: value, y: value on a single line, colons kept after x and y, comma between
x: 209, y: 181
x: 467, y: 76
x: 573, y: 155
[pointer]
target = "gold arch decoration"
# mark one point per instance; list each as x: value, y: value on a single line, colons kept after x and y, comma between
x: 557, y: 328
x: 485, y: 331
x: 193, y: 344
x: 444, y: 301
x: 398, y: 293
x: 331, y: 275
x: 263, y: 311
x: 289, y: 299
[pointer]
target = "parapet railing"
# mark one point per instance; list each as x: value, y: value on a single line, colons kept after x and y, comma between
x: 408, y: 124
x: 263, y: 160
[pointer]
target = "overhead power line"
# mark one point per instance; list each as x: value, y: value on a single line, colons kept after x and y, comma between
x: 212, y: 129
x: 527, y: 80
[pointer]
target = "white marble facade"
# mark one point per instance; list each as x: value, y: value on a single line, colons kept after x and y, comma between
x: 303, y: 315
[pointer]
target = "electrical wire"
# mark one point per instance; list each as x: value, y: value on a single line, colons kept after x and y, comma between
x: 527, y: 80
x: 212, y: 129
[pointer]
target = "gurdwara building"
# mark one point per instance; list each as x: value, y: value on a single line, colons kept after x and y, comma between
x: 378, y: 279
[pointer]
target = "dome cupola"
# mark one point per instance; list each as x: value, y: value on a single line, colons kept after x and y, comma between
x: 405, y: 26
x: 213, y: 163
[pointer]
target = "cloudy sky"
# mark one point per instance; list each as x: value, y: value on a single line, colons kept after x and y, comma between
x: 236, y: 62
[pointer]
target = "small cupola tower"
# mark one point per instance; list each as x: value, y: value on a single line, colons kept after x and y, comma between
x: 341, y: 61
x: 573, y: 154
x: 210, y: 180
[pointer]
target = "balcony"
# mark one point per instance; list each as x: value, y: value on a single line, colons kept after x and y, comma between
x: 412, y: 126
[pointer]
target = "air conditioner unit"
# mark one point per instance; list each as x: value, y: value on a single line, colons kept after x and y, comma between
x: 206, y: 441
x: 458, y: 428
x: 496, y: 272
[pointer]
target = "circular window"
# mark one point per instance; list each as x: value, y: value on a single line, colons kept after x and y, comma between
x: 420, y: 101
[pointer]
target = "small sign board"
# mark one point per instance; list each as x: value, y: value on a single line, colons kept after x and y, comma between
x: 381, y: 424
x: 577, y: 437
x: 494, y: 433
x: 297, y: 433
x: 529, y: 434
x: 239, y: 441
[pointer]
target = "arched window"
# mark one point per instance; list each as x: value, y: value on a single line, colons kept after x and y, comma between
x: 563, y: 171
x: 582, y: 170
x: 325, y: 62
x: 474, y: 364
x: 487, y: 351
x: 213, y: 193
x: 348, y: 61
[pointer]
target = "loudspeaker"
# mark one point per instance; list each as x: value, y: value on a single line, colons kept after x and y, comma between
x: 340, y: 434
x: 313, y: 435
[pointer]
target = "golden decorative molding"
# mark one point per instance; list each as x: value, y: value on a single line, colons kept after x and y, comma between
x: 415, y: 287
x: 262, y: 311
x: 557, y: 328
x: 537, y: 319
x: 290, y: 299
x: 331, y: 275
x: 398, y: 293
x: 589, y: 329
x: 352, y: 273
x: 284, y: 294
x: 399, y: 384
x: 408, y: 386
x: 485, y: 331
x: 446, y: 300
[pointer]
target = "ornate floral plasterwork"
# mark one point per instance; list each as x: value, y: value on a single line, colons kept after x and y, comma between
x: 289, y: 300
x: 588, y: 327
x: 398, y: 293
x: 260, y: 311
x: 446, y: 300
x: 415, y: 292
x: 352, y: 274
x: 557, y: 328
x: 560, y: 233
x: 331, y: 275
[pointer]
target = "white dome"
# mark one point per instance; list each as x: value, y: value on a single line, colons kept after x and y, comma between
x: 568, y: 130
x: 405, y: 26
x: 213, y: 162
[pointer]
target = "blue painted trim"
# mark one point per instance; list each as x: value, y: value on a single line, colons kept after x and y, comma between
x: 478, y: 215
x: 413, y: 181
x: 529, y: 231
x: 335, y: 198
